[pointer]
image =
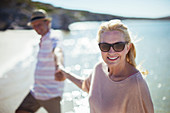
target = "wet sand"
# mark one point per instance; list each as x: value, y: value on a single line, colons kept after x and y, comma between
x: 14, y: 46
x: 16, y: 76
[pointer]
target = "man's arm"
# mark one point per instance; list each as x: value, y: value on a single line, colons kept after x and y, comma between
x: 59, y: 56
x: 59, y: 62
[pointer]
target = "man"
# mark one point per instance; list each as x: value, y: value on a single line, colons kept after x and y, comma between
x: 46, y: 92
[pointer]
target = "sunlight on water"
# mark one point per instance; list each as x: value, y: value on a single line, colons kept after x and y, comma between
x: 151, y: 53
x: 78, y: 100
x: 85, y: 46
x: 81, y: 53
x: 84, y: 25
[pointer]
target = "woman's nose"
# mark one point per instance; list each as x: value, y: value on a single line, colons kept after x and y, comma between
x: 111, y: 50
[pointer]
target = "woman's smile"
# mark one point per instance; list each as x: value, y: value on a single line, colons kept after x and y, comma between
x: 112, y: 58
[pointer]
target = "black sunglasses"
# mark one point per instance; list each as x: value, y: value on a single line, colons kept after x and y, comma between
x: 117, y: 47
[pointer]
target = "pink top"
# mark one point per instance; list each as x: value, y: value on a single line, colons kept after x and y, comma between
x: 106, y: 96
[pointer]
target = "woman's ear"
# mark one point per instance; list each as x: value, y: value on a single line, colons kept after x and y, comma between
x: 129, y: 45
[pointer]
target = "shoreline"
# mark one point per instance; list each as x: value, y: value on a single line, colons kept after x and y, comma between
x: 16, y: 27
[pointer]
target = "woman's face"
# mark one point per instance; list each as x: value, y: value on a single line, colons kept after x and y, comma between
x: 113, y: 58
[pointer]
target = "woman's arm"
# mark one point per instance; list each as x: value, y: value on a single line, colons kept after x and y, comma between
x: 77, y: 80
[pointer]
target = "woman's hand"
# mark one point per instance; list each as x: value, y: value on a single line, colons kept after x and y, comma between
x: 59, y: 75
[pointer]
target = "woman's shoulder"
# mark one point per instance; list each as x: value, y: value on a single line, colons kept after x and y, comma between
x: 141, y: 82
x: 99, y: 65
x: 134, y: 79
x: 140, y: 77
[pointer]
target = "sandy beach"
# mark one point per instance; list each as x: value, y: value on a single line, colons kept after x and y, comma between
x: 18, y: 58
x: 16, y: 76
x: 15, y: 46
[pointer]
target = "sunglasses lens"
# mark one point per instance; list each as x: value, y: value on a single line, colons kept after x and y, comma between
x: 118, y: 47
x: 104, y: 47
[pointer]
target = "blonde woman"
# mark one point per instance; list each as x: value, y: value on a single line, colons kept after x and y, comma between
x: 115, y: 85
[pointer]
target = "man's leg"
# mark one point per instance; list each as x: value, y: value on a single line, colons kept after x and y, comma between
x: 28, y: 105
x: 52, y: 105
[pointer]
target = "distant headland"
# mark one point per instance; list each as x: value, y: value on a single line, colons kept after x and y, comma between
x: 15, y: 14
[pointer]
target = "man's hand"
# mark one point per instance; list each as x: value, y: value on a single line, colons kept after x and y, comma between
x: 59, y: 76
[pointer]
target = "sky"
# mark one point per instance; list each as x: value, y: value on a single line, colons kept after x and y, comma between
x: 128, y: 8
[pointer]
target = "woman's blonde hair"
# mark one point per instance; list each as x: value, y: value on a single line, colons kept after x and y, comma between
x: 119, y: 26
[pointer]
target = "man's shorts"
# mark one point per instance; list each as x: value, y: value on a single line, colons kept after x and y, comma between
x: 30, y: 104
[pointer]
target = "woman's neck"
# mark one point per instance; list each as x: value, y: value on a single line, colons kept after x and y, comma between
x: 117, y: 70
x: 121, y: 72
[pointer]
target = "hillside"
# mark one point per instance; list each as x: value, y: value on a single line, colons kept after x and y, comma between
x: 15, y: 14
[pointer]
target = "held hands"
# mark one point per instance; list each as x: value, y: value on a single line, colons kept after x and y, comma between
x: 59, y: 75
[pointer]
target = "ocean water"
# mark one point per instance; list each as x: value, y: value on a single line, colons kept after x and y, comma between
x: 81, y: 53
x: 151, y: 39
